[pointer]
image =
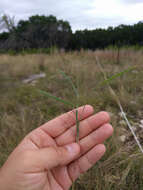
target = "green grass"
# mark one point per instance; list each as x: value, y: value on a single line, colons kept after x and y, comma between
x: 23, y: 108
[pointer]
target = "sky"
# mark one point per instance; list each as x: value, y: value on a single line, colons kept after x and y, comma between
x: 82, y: 14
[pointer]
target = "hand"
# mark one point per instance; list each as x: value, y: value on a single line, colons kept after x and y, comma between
x: 49, y: 159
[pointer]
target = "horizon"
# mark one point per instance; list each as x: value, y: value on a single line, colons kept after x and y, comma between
x: 105, y: 27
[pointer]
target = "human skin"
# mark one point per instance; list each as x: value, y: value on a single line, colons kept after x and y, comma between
x: 48, y: 158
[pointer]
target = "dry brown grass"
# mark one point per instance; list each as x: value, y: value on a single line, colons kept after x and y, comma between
x: 23, y: 109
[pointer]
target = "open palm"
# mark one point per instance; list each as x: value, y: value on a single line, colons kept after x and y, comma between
x: 41, y: 160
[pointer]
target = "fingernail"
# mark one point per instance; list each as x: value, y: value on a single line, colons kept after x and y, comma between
x: 73, y: 148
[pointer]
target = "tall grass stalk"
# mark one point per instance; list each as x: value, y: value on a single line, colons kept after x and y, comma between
x: 68, y: 103
x: 118, y: 101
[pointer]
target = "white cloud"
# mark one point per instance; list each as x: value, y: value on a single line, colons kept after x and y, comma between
x: 80, y: 13
x: 131, y: 1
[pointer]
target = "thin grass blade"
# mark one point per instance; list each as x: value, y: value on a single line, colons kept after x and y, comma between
x: 71, y: 82
x: 120, y: 106
x: 55, y: 98
x: 108, y: 80
x: 77, y: 127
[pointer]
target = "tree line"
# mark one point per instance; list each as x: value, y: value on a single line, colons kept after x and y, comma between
x: 43, y: 32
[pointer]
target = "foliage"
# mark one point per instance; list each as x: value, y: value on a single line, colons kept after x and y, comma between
x: 43, y: 32
x: 36, y: 33
x: 122, y: 35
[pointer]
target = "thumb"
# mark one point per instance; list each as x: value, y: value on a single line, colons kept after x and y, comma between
x: 48, y: 158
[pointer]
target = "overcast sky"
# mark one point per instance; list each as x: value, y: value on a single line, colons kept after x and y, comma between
x: 81, y: 14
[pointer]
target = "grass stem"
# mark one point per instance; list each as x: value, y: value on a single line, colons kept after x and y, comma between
x: 119, y: 104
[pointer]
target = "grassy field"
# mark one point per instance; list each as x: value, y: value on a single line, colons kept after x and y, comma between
x: 22, y: 108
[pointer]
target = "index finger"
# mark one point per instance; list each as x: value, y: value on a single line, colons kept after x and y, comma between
x: 60, y: 124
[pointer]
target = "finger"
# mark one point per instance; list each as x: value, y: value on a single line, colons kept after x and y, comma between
x: 48, y: 158
x: 95, y: 138
x: 60, y: 124
x: 85, y: 127
x: 85, y: 162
